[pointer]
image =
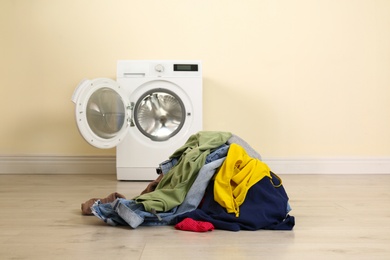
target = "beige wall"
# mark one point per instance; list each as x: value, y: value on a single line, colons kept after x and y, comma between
x: 293, y: 78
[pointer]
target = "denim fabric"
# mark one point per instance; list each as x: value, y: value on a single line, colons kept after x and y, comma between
x: 106, y: 213
x: 128, y: 212
x: 165, y: 166
x: 218, y: 153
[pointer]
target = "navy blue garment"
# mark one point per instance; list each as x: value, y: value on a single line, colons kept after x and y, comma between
x: 265, y: 207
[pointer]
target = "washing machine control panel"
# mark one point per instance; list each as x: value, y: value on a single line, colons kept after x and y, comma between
x: 159, y: 68
x: 178, y: 67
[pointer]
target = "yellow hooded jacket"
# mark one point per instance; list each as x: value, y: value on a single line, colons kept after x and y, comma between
x: 237, y: 174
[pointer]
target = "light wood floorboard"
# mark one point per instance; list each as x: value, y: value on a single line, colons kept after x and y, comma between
x: 337, y: 217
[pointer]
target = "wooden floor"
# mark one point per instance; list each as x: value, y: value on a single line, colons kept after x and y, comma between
x: 337, y: 217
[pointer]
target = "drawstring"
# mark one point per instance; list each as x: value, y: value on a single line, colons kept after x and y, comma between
x: 276, y: 176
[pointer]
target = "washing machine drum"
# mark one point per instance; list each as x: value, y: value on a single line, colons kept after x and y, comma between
x: 159, y: 114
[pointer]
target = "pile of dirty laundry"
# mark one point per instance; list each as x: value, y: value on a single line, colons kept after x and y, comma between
x: 216, y: 180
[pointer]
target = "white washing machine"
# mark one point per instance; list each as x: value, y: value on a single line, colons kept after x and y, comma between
x: 147, y: 113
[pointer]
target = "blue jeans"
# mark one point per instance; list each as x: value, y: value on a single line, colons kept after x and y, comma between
x: 128, y: 212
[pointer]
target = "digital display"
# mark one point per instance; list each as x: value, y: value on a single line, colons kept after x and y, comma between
x: 185, y: 67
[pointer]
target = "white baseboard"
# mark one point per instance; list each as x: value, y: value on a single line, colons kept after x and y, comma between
x: 351, y: 165
x: 107, y: 165
x: 57, y: 165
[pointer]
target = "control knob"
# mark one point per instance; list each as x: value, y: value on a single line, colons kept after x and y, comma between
x: 159, y: 68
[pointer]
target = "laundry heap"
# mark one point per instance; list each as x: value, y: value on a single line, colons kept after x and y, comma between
x: 215, y: 180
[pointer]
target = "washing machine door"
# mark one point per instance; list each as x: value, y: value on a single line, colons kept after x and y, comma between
x: 102, y: 112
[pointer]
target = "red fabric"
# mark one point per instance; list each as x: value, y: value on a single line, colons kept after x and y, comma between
x: 188, y: 224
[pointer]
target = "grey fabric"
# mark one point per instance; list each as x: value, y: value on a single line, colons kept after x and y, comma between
x: 249, y: 150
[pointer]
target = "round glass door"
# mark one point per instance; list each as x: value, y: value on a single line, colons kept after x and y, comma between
x: 159, y: 114
x: 105, y: 113
x: 102, y: 112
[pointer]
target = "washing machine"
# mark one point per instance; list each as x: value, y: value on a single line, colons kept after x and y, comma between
x: 148, y: 112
